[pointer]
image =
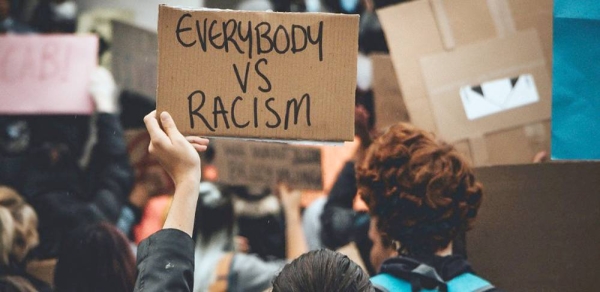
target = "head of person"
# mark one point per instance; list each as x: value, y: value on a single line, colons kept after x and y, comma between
x: 214, y: 214
x: 322, y: 270
x: 95, y: 257
x: 19, y: 227
x: 421, y: 192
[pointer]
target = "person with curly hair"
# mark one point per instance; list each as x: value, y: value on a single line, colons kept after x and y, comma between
x: 421, y: 195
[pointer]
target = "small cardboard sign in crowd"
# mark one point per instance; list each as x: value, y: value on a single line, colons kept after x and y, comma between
x: 46, y: 74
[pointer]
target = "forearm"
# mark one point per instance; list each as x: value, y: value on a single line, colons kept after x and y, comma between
x: 183, y: 208
x: 295, y: 240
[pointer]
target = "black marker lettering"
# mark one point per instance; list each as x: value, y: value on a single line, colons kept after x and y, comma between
x: 212, y: 37
x: 229, y: 36
x: 180, y: 30
x: 295, y: 48
x: 318, y: 40
x: 233, y: 114
x: 248, y: 37
x: 244, y: 84
x: 221, y: 111
x: 297, y: 106
x: 269, y: 108
x: 264, y: 35
x: 287, y: 39
x: 201, y: 37
x: 256, y: 112
x: 257, y: 68
x: 196, y: 112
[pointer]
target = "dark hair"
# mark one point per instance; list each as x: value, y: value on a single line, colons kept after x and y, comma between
x: 322, y: 270
x: 214, y: 212
x: 93, y: 258
x: 422, y: 191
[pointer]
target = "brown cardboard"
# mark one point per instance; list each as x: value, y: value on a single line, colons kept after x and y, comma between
x: 389, y: 105
x: 516, y: 145
x: 266, y: 164
x: 134, y: 55
x: 514, y: 55
x: 413, y: 31
x: 419, y: 29
x: 537, y: 229
x: 277, y: 85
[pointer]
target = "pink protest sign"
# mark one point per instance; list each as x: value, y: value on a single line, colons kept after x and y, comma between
x: 46, y: 74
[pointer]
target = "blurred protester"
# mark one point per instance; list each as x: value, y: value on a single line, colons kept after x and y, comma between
x: 55, y: 16
x: 66, y: 196
x: 8, y: 24
x: 260, y: 220
x: 421, y: 194
x: 222, y: 267
x: 18, y: 235
x: 322, y: 270
x: 95, y: 257
x: 341, y: 224
x: 311, y: 223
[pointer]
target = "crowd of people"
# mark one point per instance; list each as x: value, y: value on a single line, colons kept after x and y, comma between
x: 74, y: 218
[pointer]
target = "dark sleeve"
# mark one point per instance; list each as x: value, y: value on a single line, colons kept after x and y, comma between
x: 337, y: 219
x: 110, y: 173
x: 165, y: 262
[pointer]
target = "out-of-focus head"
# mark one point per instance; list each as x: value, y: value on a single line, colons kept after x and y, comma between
x: 214, y: 212
x: 421, y: 191
x: 95, y: 257
x: 322, y: 270
x: 4, y: 9
x: 22, y: 224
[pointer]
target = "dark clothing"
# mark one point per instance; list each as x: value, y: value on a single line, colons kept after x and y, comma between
x: 447, y: 268
x: 19, y: 270
x: 64, y: 196
x: 165, y: 262
x: 340, y: 223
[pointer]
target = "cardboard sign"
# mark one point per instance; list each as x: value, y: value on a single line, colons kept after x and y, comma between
x: 537, y: 229
x: 576, y: 105
x: 465, y: 44
x: 514, y: 55
x: 134, y: 56
x: 46, y: 74
x: 389, y: 104
x: 258, y: 74
x: 265, y: 164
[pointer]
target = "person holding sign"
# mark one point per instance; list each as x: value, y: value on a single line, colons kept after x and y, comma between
x: 421, y: 194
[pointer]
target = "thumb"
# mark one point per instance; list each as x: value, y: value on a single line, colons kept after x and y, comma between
x: 168, y: 124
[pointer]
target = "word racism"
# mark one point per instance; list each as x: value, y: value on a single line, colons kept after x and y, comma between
x: 250, y: 39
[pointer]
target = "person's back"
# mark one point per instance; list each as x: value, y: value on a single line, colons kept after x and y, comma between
x: 421, y: 194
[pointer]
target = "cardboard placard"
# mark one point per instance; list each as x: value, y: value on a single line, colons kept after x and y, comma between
x: 418, y: 30
x: 46, y: 74
x: 265, y: 164
x: 265, y: 75
x: 506, y: 58
x: 537, y: 229
x: 134, y: 57
x: 389, y: 104
x: 576, y: 106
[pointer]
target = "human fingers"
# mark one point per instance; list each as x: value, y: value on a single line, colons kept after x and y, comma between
x: 199, y: 148
x: 197, y: 140
x: 169, y: 126
x: 157, y: 135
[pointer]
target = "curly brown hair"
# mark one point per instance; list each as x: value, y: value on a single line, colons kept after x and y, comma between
x: 422, y: 191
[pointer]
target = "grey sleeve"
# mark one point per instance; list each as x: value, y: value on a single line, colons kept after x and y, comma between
x: 250, y: 273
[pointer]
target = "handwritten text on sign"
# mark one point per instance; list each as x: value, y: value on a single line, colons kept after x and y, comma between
x: 265, y: 164
x: 261, y: 75
x: 46, y: 74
